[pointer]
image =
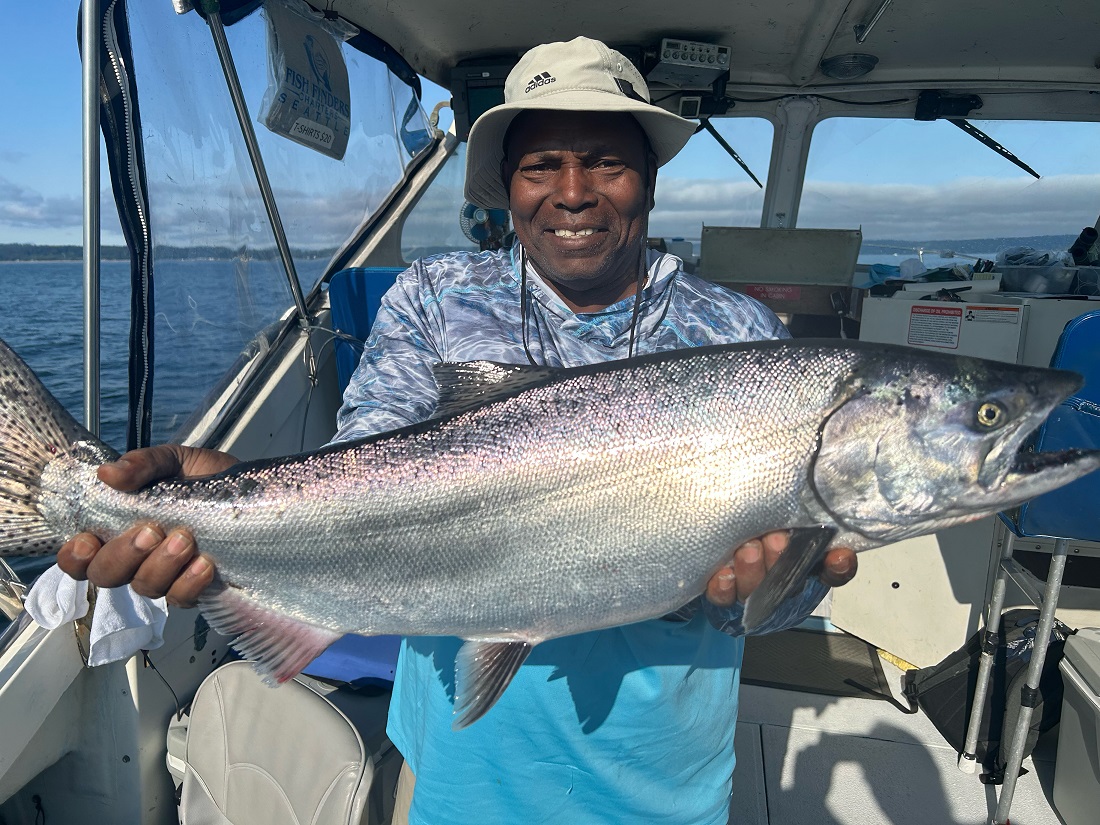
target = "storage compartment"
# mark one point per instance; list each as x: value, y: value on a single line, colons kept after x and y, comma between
x: 1088, y: 281
x: 1055, y: 279
x: 1077, y: 770
x: 989, y: 329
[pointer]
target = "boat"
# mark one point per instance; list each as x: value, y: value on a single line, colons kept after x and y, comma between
x: 240, y: 216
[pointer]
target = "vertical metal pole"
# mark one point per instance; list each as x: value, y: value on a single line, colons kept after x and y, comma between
x: 1030, y: 696
x: 89, y: 34
x: 217, y: 31
x: 968, y: 760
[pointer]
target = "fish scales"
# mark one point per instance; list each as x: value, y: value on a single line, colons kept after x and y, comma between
x: 540, y: 503
x: 530, y: 489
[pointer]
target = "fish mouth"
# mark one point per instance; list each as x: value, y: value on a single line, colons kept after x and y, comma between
x: 1035, y: 473
x: 1029, y: 463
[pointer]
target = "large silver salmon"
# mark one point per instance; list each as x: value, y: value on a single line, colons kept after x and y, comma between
x: 540, y: 503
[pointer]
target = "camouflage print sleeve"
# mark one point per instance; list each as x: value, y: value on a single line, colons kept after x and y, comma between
x: 393, y: 385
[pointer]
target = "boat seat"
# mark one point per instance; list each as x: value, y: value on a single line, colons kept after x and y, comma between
x: 354, y: 295
x: 304, y: 753
x: 1067, y: 514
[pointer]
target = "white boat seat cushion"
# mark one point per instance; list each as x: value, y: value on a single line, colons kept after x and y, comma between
x: 283, y: 756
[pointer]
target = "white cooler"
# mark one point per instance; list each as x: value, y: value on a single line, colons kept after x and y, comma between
x: 1077, y: 770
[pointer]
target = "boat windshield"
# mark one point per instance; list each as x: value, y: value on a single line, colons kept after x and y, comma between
x: 930, y: 191
x: 220, y: 292
x: 704, y: 184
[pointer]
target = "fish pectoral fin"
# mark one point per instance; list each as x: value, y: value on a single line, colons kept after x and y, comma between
x: 483, y: 671
x: 471, y: 384
x: 278, y: 645
x: 787, y: 577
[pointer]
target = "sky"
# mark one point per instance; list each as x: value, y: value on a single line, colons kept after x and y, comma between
x: 893, y: 179
x: 40, y: 169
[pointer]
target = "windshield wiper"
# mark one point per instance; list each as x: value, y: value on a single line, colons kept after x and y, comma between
x: 933, y: 105
x: 706, y: 124
x: 982, y: 137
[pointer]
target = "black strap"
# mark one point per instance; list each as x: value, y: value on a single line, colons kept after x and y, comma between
x: 120, y: 119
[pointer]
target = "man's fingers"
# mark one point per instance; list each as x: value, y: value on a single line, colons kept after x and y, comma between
x: 153, y: 564
x: 722, y: 587
x: 839, y: 567
x: 748, y: 567
x: 158, y: 572
x: 139, y: 468
x: 186, y: 589
x: 118, y: 560
x: 753, y: 559
x: 76, y: 554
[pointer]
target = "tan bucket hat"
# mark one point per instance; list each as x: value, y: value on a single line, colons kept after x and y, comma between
x: 582, y: 75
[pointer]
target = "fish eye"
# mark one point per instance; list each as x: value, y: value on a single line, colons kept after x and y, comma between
x: 990, y: 415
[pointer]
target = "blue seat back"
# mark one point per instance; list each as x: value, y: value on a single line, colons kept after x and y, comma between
x: 355, y: 295
x: 1072, y: 511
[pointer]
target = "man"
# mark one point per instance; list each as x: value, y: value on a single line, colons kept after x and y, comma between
x: 631, y: 724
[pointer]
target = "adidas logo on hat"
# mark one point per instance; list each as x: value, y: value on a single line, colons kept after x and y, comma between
x: 539, y: 80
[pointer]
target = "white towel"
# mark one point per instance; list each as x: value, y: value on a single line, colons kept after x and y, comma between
x: 123, y: 622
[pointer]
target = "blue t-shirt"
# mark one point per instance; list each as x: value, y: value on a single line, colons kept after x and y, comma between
x: 628, y: 724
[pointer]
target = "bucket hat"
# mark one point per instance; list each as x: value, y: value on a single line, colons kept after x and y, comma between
x: 582, y: 75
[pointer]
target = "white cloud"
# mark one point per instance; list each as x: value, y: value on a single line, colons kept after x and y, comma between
x: 28, y: 216
x: 958, y: 209
x: 21, y: 207
x: 213, y: 212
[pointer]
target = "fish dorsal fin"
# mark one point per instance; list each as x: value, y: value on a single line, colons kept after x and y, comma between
x: 787, y: 577
x: 278, y: 645
x: 471, y: 384
x: 483, y: 670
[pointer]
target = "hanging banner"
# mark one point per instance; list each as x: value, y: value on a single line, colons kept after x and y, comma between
x: 308, y: 98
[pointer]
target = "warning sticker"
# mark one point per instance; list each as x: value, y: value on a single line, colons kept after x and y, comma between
x: 992, y: 314
x: 773, y: 292
x: 935, y: 326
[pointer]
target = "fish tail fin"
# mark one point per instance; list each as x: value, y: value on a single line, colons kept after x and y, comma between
x: 34, y: 430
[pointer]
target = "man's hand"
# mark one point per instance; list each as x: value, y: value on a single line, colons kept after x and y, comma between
x: 153, y: 563
x: 753, y: 559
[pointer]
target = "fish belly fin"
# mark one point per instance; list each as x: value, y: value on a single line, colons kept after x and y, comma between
x: 787, y: 577
x: 483, y: 671
x: 279, y: 646
x: 34, y: 430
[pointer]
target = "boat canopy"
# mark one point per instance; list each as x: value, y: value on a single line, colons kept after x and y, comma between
x: 944, y: 44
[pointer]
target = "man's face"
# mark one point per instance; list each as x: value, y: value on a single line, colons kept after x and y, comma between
x: 580, y: 190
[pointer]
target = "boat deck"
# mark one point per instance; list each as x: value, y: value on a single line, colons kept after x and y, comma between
x: 809, y: 758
